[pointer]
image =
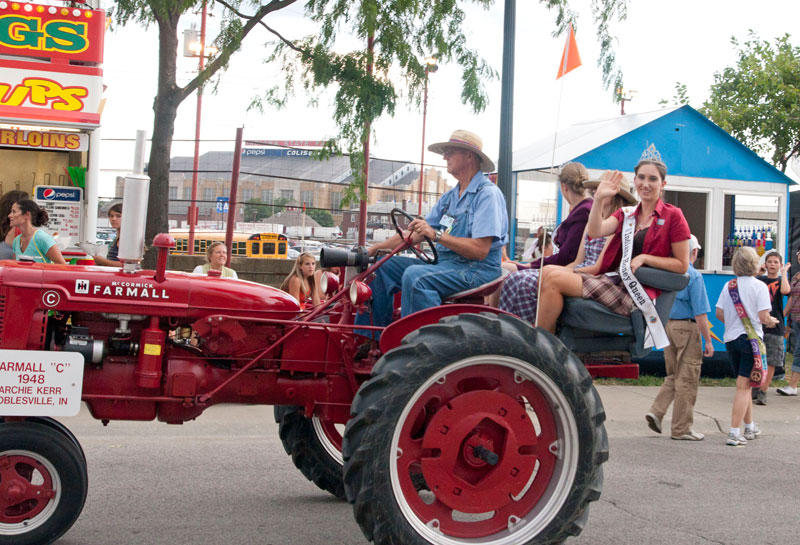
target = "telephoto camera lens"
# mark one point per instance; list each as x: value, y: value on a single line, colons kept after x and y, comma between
x: 334, y: 257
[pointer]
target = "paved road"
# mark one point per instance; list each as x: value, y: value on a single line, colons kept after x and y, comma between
x: 226, y: 479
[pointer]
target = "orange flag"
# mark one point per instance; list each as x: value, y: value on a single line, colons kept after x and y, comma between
x: 570, y: 59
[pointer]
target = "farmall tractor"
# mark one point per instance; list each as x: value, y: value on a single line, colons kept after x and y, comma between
x: 463, y: 424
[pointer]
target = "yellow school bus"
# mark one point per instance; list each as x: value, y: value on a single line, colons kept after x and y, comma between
x: 258, y: 245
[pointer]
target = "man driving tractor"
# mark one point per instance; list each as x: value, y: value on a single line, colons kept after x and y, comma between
x: 468, y: 225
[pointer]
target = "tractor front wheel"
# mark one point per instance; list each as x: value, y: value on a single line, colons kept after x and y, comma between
x: 479, y: 429
x: 43, y: 483
x: 315, y: 446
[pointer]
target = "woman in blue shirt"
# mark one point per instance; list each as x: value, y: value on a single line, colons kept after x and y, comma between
x: 33, y: 242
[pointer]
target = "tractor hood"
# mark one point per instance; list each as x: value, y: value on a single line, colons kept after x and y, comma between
x: 108, y: 289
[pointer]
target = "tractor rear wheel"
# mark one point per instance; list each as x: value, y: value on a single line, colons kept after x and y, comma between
x: 43, y: 483
x: 315, y: 446
x: 479, y: 429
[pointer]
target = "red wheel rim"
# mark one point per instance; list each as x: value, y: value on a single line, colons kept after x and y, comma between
x: 490, y: 406
x: 26, y: 488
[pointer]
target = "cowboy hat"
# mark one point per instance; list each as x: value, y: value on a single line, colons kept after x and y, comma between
x: 468, y: 141
x: 624, y: 189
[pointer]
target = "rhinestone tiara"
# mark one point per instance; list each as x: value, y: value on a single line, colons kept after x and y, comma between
x: 651, y: 154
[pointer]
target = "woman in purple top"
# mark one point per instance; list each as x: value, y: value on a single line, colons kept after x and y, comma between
x: 567, y: 238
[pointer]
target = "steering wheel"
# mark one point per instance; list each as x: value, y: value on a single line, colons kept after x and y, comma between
x: 421, y: 254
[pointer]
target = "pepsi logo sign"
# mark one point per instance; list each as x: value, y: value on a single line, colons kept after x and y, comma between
x: 64, y: 194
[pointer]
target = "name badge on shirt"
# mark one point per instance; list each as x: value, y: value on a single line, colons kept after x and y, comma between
x: 447, y: 221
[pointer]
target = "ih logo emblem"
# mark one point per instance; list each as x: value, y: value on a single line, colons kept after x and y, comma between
x: 81, y: 286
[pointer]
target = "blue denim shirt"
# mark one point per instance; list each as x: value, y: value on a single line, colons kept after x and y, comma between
x: 480, y: 211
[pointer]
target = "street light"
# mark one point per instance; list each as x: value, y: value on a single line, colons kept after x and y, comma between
x: 192, y: 47
x: 624, y: 96
x: 430, y: 67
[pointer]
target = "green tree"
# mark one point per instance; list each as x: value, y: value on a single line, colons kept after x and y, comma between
x: 402, y: 33
x: 680, y: 97
x: 758, y: 100
x: 254, y: 210
x: 278, y: 205
x: 323, y: 217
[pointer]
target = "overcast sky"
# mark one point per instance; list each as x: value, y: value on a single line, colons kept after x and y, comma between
x: 661, y: 42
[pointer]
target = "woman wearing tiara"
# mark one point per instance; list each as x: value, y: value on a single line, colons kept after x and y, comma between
x: 658, y: 237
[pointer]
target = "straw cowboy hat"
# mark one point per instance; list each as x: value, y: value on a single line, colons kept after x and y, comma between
x: 468, y: 141
x: 624, y: 189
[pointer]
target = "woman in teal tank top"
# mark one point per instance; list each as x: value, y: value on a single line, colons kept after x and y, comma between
x: 34, y: 243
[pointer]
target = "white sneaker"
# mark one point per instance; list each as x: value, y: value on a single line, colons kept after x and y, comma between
x: 751, y: 434
x: 735, y: 441
x: 690, y: 436
x: 787, y: 391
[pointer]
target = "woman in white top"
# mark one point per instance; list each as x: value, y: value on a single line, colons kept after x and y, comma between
x: 217, y: 256
x: 755, y: 298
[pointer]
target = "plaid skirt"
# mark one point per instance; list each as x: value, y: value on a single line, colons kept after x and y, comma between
x: 609, y: 292
x: 519, y: 294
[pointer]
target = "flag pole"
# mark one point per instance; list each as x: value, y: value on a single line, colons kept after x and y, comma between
x: 562, y: 73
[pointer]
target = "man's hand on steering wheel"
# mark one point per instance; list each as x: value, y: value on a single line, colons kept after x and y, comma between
x: 420, y: 231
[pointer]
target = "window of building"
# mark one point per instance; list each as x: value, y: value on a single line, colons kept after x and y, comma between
x: 694, y: 206
x: 173, y: 192
x: 209, y: 194
x: 336, y: 201
x: 266, y: 196
x: 247, y: 194
x: 287, y: 194
x: 308, y: 198
x: 750, y: 220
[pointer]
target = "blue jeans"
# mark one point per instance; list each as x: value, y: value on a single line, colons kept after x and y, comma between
x: 796, y: 360
x: 423, y: 286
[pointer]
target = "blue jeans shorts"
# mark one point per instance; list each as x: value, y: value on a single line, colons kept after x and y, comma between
x: 740, y: 354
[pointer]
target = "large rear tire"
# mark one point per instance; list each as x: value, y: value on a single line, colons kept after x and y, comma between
x: 315, y: 446
x: 43, y: 483
x: 479, y: 429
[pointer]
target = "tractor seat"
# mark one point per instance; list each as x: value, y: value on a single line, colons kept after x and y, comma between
x: 588, y: 326
x: 476, y: 295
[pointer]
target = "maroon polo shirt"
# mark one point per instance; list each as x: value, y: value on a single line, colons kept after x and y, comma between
x: 668, y: 226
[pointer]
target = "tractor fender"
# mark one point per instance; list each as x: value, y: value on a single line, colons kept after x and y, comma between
x: 397, y: 330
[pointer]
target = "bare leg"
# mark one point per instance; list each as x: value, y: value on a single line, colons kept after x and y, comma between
x: 493, y: 299
x: 742, y: 403
x: 794, y: 379
x: 770, y: 374
x: 557, y: 283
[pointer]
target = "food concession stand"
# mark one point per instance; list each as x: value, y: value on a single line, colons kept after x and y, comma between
x: 51, y: 86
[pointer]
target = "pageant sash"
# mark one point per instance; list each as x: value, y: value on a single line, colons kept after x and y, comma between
x: 656, y: 335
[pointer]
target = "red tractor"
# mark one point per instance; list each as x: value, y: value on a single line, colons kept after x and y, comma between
x: 464, y: 425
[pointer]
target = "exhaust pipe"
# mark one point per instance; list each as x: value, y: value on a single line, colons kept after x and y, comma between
x: 134, y: 206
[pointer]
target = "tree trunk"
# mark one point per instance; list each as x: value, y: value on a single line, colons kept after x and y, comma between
x: 165, y: 107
